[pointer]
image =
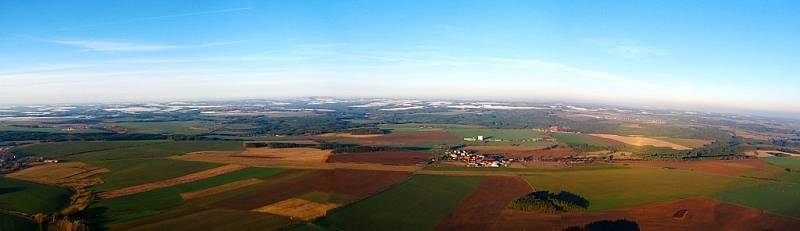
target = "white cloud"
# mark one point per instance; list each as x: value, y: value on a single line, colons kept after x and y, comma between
x: 625, y: 48
x: 160, y: 17
x: 114, y: 46
x: 95, y: 45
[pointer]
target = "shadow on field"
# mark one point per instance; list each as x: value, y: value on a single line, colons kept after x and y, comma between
x: 5, y: 190
x: 95, y: 217
x: 618, y: 225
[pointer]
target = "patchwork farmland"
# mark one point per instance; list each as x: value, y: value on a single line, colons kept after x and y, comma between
x: 383, y: 181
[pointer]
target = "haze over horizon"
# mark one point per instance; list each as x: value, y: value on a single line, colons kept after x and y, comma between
x: 683, y: 54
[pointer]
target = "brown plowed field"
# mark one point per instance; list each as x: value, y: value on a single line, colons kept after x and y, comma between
x: 483, y: 208
x: 725, y: 167
x: 296, y: 208
x: 702, y: 214
x: 404, y: 138
x: 389, y: 157
x: 170, y: 182
x: 359, y: 183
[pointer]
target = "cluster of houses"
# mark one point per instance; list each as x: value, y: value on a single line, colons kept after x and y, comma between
x: 10, y: 162
x: 478, y: 138
x: 585, y: 159
x: 78, y: 127
x: 473, y: 159
x: 491, y: 139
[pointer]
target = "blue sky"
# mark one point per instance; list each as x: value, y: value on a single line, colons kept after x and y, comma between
x: 693, y: 54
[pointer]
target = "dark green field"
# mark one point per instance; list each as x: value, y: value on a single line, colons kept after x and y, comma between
x: 125, y: 173
x: 133, y: 162
x: 578, y: 139
x: 66, y: 149
x: 31, y: 198
x: 779, y: 195
x: 416, y: 204
x: 14, y: 222
x: 115, y: 150
x: 148, y: 203
x: 618, y: 188
x: 171, y: 127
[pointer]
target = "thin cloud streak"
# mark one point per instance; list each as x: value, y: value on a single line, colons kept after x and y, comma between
x: 93, y: 45
x: 114, y: 46
x: 625, y: 48
x: 152, y: 18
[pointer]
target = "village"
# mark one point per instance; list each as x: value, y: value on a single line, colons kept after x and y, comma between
x: 10, y: 162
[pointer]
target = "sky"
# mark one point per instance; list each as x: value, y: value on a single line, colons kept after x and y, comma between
x: 726, y: 55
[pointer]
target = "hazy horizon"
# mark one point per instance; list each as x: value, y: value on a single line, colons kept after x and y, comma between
x: 684, y: 55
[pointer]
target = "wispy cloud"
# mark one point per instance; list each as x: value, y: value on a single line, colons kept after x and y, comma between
x: 159, y: 17
x: 94, y: 45
x: 115, y: 46
x: 223, y: 43
x: 625, y: 48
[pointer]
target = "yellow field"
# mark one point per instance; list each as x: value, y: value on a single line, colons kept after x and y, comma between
x: 642, y: 141
x: 288, y: 154
x: 766, y: 153
x: 296, y: 208
x: 58, y: 173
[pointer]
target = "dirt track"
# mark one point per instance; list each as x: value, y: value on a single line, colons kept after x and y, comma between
x: 170, y: 182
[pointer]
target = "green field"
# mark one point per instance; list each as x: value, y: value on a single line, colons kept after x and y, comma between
x: 786, y: 162
x: 191, y: 208
x: 327, y: 197
x: 170, y: 127
x: 115, y: 150
x: 11, y: 128
x: 14, y: 222
x: 125, y: 173
x: 618, y: 188
x: 779, y: 195
x: 65, y: 149
x: 416, y: 204
x: 133, y: 162
x: 514, y: 135
x: 412, y: 127
x: 31, y: 198
x: 157, y: 150
x: 775, y: 197
x: 149, y: 203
